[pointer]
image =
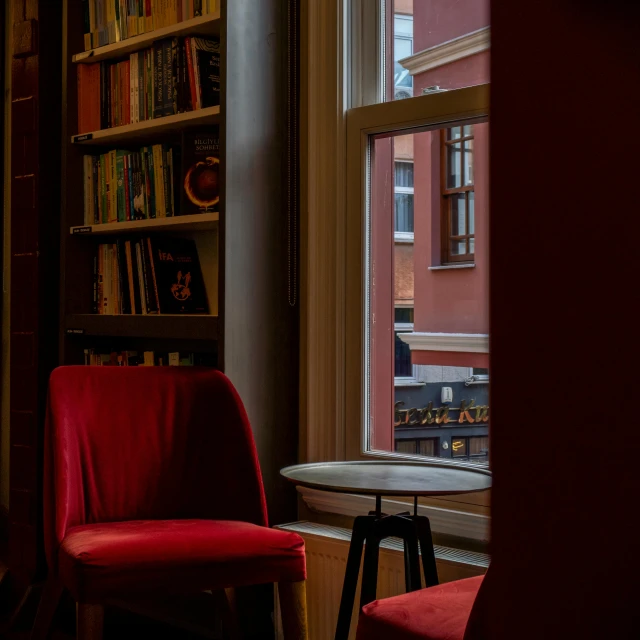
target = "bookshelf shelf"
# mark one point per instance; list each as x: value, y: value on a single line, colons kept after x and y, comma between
x: 197, y: 222
x: 202, y: 26
x: 195, y: 327
x: 168, y: 124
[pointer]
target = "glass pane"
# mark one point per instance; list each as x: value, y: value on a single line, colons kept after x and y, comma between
x: 458, y: 217
x: 468, y: 163
x: 406, y: 446
x: 479, y: 446
x: 471, y: 201
x: 458, y: 247
x: 454, y: 179
x: 402, y: 49
x: 453, y: 133
x: 404, y: 315
x: 402, y: 359
x: 415, y: 26
x: 404, y: 174
x: 472, y: 246
x: 427, y: 447
x: 467, y: 130
x: 458, y: 447
x: 405, y: 296
x: 404, y: 212
x: 480, y: 371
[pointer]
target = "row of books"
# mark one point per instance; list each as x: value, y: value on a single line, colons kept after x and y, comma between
x: 149, y: 275
x: 173, y: 76
x: 130, y: 185
x: 153, y: 182
x: 110, y: 21
x: 109, y: 358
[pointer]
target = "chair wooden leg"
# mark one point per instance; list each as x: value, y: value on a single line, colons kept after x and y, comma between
x: 293, y: 607
x: 90, y: 620
x: 49, y: 601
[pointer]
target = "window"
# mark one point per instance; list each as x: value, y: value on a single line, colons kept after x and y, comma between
x: 403, y: 198
x: 403, y: 323
x: 458, y: 225
x: 422, y: 447
x: 474, y: 448
x: 478, y: 375
x: 402, y: 48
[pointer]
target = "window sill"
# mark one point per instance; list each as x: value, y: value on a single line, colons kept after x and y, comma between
x: 461, y: 524
x: 446, y: 267
x: 403, y: 237
x: 408, y: 382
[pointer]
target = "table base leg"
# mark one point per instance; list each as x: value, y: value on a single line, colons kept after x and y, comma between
x: 372, y: 529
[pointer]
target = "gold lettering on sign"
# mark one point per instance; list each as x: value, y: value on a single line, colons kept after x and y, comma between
x: 429, y: 415
x: 482, y: 413
x: 464, y: 412
x: 442, y: 416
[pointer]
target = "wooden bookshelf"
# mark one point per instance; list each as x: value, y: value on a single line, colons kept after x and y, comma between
x: 252, y: 329
x: 198, y: 222
x: 149, y: 128
x: 195, y: 327
x: 208, y: 25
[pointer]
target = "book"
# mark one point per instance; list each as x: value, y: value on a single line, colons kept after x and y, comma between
x: 178, y: 276
x: 88, y: 98
x: 206, y: 64
x: 200, y: 184
x: 158, y: 89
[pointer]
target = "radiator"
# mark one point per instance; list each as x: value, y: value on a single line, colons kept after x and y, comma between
x: 327, y: 549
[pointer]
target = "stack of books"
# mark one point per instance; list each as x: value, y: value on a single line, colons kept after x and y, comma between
x: 173, y: 76
x: 109, y: 21
x: 148, y: 276
x: 109, y: 358
x: 130, y: 185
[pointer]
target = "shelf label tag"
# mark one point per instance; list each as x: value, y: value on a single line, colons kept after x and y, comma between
x: 75, y: 331
x: 82, y: 230
x: 83, y: 138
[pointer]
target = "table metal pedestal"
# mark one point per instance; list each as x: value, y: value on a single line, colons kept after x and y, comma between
x: 370, y: 530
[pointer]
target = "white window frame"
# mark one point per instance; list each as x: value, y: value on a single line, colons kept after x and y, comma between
x: 403, y: 236
x: 343, y: 34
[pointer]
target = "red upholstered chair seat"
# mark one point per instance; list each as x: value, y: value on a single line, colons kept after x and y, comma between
x: 436, y: 613
x: 99, y: 561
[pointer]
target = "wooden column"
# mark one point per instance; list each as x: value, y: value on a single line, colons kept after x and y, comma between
x: 35, y: 179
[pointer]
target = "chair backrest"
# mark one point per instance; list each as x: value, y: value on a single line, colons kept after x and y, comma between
x: 133, y: 443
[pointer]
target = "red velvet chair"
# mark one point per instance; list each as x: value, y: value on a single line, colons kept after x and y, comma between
x: 435, y: 613
x: 152, y: 485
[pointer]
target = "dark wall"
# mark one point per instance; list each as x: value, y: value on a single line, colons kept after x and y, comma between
x: 564, y: 140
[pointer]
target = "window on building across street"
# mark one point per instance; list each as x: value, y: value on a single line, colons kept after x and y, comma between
x: 403, y: 197
x: 402, y: 48
x: 421, y: 447
x: 458, y: 195
x: 403, y: 323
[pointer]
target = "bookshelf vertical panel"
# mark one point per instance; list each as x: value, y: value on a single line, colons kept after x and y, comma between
x: 260, y: 327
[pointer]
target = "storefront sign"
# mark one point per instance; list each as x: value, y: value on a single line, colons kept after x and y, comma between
x: 468, y: 413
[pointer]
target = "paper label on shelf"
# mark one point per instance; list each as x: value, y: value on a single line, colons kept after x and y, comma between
x: 75, y: 331
x: 83, y: 138
x: 82, y: 230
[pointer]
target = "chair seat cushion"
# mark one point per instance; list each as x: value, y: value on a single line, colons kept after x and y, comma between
x: 102, y: 561
x: 436, y: 613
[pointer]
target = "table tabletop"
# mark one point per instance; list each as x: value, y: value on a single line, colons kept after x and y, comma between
x: 390, y: 478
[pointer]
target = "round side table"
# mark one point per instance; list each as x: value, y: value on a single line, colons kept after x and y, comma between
x: 387, y: 478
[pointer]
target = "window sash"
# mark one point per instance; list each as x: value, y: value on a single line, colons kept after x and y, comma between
x: 427, y: 112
